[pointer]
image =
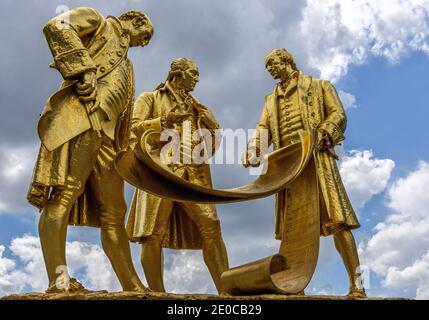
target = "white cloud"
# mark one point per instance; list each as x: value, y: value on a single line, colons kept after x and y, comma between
x: 6, y: 265
x: 398, y: 251
x: 186, y: 272
x: 16, y: 165
x: 25, y: 271
x: 364, y: 176
x: 409, y: 196
x: 91, y: 259
x: 415, y: 276
x: 339, y: 33
x: 325, y: 36
x: 348, y: 100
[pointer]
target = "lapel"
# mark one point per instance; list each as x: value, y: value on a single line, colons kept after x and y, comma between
x: 163, y: 103
x: 291, y: 87
x: 304, y: 83
x: 303, y: 86
x: 273, y: 112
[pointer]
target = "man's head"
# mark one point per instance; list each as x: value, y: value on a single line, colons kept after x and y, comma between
x: 280, y: 64
x: 184, y: 74
x: 138, y: 26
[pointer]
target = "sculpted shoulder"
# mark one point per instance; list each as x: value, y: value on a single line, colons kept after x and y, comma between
x: 326, y: 84
x: 146, y: 98
x: 270, y: 95
x: 75, y: 17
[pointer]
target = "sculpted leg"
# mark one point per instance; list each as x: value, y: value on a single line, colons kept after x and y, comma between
x: 52, y: 232
x: 152, y: 263
x: 216, y: 258
x: 346, y: 246
x: 151, y: 257
x: 53, y: 225
x: 107, y: 189
x: 214, y: 251
x: 116, y: 246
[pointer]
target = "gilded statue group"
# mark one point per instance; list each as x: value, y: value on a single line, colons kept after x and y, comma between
x: 93, y: 116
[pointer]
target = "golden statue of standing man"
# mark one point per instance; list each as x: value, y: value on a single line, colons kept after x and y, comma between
x: 82, y: 127
x: 300, y: 102
x: 161, y: 222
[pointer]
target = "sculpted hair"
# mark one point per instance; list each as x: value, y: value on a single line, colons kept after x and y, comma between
x: 176, y: 69
x: 178, y: 66
x: 140, y: 18
x: 284, y: 56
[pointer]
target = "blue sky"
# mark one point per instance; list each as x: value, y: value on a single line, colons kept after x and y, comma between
x: 376, y: 56
x: 393, y: 109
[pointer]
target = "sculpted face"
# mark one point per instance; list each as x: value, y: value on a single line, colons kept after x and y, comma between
x: 140, y: 35
x: 278, y: 69
x: 190, y: 78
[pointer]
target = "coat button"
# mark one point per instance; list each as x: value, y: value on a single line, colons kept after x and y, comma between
x: 112, y: 61
x: 119, y: 53
x: 80, y: 54
x: 102, y: 69
x: 310, y: 103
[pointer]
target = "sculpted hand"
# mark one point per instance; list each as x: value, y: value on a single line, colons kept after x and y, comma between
x: 208, y: 119
x: 323, y: 141
x: 250, y: 158
x: 86, y: 87
x: 205, y: 115
x: 175, y: 118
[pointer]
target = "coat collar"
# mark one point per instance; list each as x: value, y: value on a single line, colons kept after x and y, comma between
x: 304, y: 83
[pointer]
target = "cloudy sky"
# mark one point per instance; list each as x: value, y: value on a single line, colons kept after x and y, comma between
x: 376, y: 54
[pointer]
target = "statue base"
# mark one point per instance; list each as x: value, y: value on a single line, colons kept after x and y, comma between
x: 170, y: 296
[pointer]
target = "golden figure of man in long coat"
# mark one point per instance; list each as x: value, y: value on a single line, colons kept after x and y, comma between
x: 300, y: 102
x: 82, y: 127
x: 159, y: 222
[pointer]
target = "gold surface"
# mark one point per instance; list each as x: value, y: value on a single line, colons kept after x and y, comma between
x: 82, y: 127
x: 161, y: 222
x: 86, y: 123
x: 311, y: 199
x: 299, y: 245
x: 300, y: 101
x: 255, y: 277
x: 148, y: 173
x: 184, y: 297
x: 301, y: 230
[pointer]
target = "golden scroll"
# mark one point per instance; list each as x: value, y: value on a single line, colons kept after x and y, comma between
x: 290, y: 172
x: 145, y: 170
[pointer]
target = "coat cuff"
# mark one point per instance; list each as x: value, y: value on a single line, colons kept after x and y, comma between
x: 333, y: 131
x: 254, y: 145
x: 153, y: 124
x: 74, y: 62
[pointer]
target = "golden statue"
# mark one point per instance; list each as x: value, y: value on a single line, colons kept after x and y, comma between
x: 300, y: 102
x: 304, y: 119
x: 162, y: 222
x: 82, y: 127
